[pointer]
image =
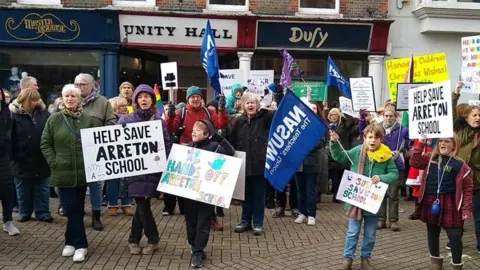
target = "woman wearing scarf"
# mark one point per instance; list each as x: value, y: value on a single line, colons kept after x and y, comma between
x: 372, y: 159
x: 98, y: 107
x: 61, y: 145
x: 396, y: 138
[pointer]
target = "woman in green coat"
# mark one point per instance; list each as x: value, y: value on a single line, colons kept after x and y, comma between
x: 374, y: 160
x: 62, y: 148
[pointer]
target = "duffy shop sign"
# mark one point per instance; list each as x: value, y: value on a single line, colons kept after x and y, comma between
x: 200, y: 175
x: 113, y: 152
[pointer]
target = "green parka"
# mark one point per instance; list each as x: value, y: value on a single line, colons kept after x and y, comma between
x: 62, y: 149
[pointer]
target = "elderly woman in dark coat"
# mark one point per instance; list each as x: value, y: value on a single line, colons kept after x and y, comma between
x: 7, y: 189
x: 144, y: 187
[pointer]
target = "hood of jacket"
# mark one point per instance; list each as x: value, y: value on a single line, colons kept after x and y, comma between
x: 18, y: 109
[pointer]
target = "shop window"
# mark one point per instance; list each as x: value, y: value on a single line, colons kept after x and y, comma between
x: 228, y: 5
x: 319, y: 6
x: 134, y: 3
x: 52, y: 68
x: 40, y: 2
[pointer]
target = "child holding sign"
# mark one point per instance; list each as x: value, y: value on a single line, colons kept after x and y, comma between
x: 445, y: 198
x: 372, y: 159
x: 198, y: 215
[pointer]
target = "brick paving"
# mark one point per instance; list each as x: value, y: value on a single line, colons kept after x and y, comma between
x: 285, y: 245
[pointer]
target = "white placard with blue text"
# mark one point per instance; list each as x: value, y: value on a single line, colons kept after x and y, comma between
x: 430, y: 111
x: 229, y: 77
x: 200, y: 175
x: 113, y: 152
x: 358, y: 190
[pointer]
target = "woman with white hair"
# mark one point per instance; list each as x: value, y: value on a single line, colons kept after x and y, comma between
x: 61, y: 145
x: 98, y: 107
x: 250, y: 134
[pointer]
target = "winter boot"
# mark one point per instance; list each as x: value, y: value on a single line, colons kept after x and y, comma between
x: 113, y: 211
x: 365, y: 264
x: 96, y: 222
x: 381, y: 225
x: 347, y: 264
x: 456, y: 266
x: 216, y: 225
x: 436, y: 263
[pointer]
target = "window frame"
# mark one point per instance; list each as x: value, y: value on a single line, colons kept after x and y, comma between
x: 40, y: 2
x: 335, y: 10
x: 220, y: 7
x: 129, y: 3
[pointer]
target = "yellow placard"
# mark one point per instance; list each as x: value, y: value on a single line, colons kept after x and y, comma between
x: 427, y: 68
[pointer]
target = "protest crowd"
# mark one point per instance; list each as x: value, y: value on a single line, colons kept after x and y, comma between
x: 293, y: 148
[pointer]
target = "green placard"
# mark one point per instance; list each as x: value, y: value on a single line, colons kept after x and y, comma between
x: 319, y: 90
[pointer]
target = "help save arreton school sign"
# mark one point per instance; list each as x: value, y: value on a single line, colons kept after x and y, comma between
x: 178, y: 31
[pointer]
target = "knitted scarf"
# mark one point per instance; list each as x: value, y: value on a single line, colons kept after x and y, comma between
x: 90, y: 97
x: 356, y: 212
x: 72, y: 113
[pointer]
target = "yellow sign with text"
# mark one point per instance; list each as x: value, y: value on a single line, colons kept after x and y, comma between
x: 427, y: 68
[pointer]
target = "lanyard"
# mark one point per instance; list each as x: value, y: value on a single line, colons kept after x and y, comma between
x: 370, y: 167
x: 440, y: 179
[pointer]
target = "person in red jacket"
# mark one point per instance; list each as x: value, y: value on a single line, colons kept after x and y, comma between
x: 180, y: 123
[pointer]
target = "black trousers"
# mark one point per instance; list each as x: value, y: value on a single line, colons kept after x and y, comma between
x: 74, y: 203
x: 454, y: 236
x: 198, y: 217
x: 292, y: 197
x: 336, y: 176
x: 143, y: 221
x: 170, y: 202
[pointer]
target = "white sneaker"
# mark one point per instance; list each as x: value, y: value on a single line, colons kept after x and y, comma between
x: 79, y: 255
x: 301, y: 219
x: 10, y: 228
x: 311, y: 221
x: 165, y: 214
x: 68, y: 251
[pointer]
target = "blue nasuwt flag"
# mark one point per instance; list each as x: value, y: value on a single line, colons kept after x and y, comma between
x: 209, y: 59
x: 336, y: 79
x: 295, y: 131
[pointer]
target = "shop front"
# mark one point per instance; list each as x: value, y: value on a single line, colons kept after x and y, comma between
x: 357, y: 47
x: 150, y: 39
x: 56, y: 45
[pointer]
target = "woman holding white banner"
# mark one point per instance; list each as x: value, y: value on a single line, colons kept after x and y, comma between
x: 372, y: 159
x: 445, y: 198
x: 61, y: 145
x: 144, y: 187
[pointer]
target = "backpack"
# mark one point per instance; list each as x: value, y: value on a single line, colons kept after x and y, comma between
x: 181, y: 128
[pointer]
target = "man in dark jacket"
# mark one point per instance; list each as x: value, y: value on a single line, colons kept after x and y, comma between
x: 7, y: 189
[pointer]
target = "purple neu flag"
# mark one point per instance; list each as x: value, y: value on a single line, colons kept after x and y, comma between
x: 289, y: 68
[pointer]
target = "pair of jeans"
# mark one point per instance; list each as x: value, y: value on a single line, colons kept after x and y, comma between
x: 253, y: 207
x: 113, y: 193
x: 454, y: 238
x: 95, y: 194
x: 7, y: 210
x: 292, y: 196
x: 73, y: 200
x: 143, y: 221
x: 170, y: 202
x: 33, y: 194
x: 307, y: 193
x: 198, y: 217
x: 476, y: 215
x: 391, y: 200
x: 353, y: 233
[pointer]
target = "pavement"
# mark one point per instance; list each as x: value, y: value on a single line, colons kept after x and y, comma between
x: 285, y: 245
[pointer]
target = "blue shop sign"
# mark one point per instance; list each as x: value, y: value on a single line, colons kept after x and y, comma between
x: 85, y: 28
x: 316, y: 36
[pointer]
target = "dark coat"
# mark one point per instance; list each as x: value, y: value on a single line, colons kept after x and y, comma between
x: 145, y: 186
x: 7, y: 188
x: 348, y: 131
x: 251, y: 136
x: 28, y: 160
x: 211, y: 146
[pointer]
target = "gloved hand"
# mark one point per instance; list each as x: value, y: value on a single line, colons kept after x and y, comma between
x: 124, y: 124
x: 171, y: 110
x: 221, y: 103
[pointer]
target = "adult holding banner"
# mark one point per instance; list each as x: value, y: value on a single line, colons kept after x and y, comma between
x: 62, y: 148
x: 144, y: 187
x: 250, y: 134
x: 374, y: 160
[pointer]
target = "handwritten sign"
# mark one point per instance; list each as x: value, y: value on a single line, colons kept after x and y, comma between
x: 261, y: 78
x: 430, y: 111
x: 363, y: 97
x: 229, y: 77
x: 471, y: 51
x: 200, y: 175
x: 358, y: 190
x: 471, y: 80
x: 427, y: 68
x: 113, y: 152
x: 347, y: 108
x: 402, y: 94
